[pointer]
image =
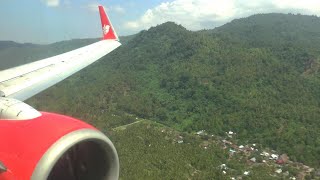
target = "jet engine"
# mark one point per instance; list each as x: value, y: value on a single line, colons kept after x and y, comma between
x: 40, y: 145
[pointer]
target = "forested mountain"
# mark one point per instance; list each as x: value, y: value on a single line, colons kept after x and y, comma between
x: 274, y: 29
x: 257, y: 76
x: 8, y: 44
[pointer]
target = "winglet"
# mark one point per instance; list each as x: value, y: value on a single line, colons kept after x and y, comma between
x: 107, y: 28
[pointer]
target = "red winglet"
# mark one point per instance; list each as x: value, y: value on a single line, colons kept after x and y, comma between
x: 107, y: 29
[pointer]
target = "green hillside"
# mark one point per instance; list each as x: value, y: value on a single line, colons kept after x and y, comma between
x: 194, y: 80
x: 274, y: 29
x: 9, y: 44
x: 256, y: 76
x: 148, y: 150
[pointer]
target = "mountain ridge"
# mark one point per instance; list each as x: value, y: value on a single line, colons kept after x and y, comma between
x: 8, y: 44
x: 263, y: 29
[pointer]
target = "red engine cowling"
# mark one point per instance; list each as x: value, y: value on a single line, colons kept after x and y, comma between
x: 54, y: 146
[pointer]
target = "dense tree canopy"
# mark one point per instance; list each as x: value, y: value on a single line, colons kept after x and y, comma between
x: 257, y: 76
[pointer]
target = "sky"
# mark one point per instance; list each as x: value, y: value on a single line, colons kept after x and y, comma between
x: 48, y: 21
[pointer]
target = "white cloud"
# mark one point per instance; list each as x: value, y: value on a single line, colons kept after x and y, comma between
x: 118, y: 9
x: 310, y: 5
x: 93, y: 7
x: 199, y: 14
x: 52, y: 3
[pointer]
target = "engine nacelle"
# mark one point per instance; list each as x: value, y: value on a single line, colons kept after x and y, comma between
x: 52, y: 146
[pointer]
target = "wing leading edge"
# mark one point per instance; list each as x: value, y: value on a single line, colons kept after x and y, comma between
x: 25, y: 81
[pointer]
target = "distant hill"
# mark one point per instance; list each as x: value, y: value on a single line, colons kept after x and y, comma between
x: 275, y: 28
x: 260, y: 84
x: 9, y: 44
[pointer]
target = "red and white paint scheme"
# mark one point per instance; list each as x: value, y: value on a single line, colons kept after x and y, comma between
x: 40, y: 145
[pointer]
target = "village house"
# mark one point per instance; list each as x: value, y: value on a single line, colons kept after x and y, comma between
x: 265, y: 154
x: 274, y: 157
x: 278, y: 171
x: 202, y: 132
x: 283, y: 159
x: 253, y: 159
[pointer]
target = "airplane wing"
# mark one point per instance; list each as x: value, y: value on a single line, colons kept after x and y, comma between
x: 24, y: 81
x: 42, y: 145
